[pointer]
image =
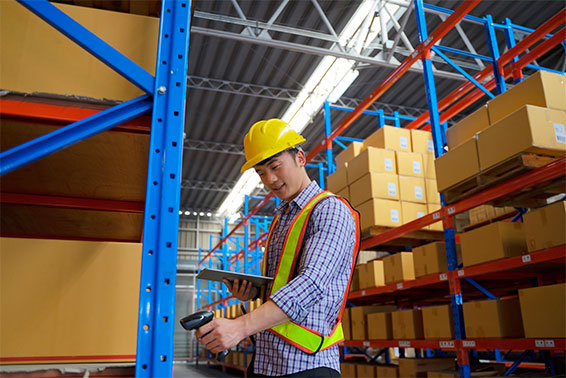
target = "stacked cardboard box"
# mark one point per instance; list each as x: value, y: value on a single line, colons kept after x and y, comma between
x: 438, y: 322
x: 530, y: 117
x: 543, y: 310
x: 418, y: 367
x: 399, y: 267
x: 358, y: 319
x: 431, y: 258
x: 486, y: 213
x: 407, y: 324
x: 493, y: 319
x: 544, y: 228
x: 390, y: 178
x: 348, y: 370
x: 387, y: 371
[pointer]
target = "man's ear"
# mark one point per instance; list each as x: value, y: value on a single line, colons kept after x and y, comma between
x: 301, y: 158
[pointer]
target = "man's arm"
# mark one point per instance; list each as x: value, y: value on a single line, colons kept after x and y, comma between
x: 226, y: 333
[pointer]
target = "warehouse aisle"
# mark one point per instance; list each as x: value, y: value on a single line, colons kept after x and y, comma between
x: 201, y: 371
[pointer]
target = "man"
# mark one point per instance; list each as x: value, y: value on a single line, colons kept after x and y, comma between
x: 311, y: 251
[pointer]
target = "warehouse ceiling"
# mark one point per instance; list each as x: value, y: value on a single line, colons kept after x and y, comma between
x: 248, y: 60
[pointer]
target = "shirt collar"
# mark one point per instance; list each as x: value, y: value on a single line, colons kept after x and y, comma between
x: 302, y: 199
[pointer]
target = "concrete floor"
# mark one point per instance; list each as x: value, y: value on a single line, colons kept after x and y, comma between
x: 191, y: 370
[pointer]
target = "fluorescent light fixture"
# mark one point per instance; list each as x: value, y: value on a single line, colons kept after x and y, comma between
x: 208, y: 214
x: 330, y: 79
x: 180, y: 212
x: 195, y: 213
x: 201, y: 214
x: 187, y: 212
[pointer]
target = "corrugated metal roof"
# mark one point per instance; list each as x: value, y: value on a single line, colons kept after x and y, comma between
x: 222, y: 117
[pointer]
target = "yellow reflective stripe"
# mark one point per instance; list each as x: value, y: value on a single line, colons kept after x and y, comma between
x: 307, y: 338
x: 271, y: 227
x: 290, y: 247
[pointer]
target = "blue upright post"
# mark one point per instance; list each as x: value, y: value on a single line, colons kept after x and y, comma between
x: 456, y: 295
x: 494, y: 53
x: 380, y: 118
x: 327, y: 131
x: 510, y: 42
x: 161, y: 219
x: 246, y: 234
x: 321, y: 175
x: 396, y: 120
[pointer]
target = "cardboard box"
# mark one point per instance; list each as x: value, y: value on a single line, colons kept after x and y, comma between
x: 338, y: 180
x: 543, y: 310
x: 468, y: 127
x: 422, y: 142
x: 492, y: 242
x: 438, y: 322
x: 68, y: 298
x: 371, y: 160
x: 344, y: 193
x: 412, y: 211
x: 431, y: 258
x: 387, y: 371
x: 457, y: 165
x: 371, y: 274
x: 493, y: 319
x: 431, y: 208
x: 432, y: 194
x: 380, y: 212
x: 407, y: 324
x: 348, y: 154
x: 66, y: 68
x: 428, y: 166
x: 367, y: 256
x: 359, y: 322
x: 409, y: 164
x: 544, y: 228
x: 355, y: 284
x: 348, y: 370
x: 380, y: 326
x: 374, y: 185
x: 529, y: 129
x: 346, y: 324
x: 418, y: 367
x: 399, y: 267
x: 366, y: 370
x: 544, y: 89
x: 412, y: 189
x: 390, y: 137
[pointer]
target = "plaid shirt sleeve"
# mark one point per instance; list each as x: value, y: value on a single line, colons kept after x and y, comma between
x: 331, y: 240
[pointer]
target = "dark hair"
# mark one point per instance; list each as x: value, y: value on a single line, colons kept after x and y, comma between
x: 293, y: 151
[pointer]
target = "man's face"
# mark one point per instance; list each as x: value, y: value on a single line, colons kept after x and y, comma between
x: 283, y: 174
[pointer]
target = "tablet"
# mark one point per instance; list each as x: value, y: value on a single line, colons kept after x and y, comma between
x: 218, y: 275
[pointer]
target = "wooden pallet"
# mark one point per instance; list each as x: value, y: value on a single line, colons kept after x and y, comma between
x: 512, y: 167
x: 413, y: 238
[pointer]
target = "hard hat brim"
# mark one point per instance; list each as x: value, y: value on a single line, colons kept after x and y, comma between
x: 269, y: 153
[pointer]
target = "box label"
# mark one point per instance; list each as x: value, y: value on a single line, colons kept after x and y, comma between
x: 389, y: 164
x: 526, y: 258
x: 420, y: 214
x: 418, y: 192
x: 404, y: 344
x: 549, y: 343
x: 430, y: 146
x: 539, y: 343
x: 461, y: 273
x: 559, y: 133
x: 443, y: 277
x: 391, y: 189
x: 366, y: 343
x: 417, y: 167
x: 400, y: 285
x: 469, y: 343
x: 394, y: 215
x: 404, y: 142
x: 363, y: 292
x: 447, y: 344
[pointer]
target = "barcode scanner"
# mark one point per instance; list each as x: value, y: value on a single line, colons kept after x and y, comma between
x: 197, y: 320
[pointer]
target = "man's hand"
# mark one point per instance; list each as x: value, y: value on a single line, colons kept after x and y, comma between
x: 243, y: 292
x: 224, y: 334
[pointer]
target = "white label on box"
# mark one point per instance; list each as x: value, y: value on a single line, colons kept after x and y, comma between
x: 539, y: 343
x: 366, y: 343
x: 420, y: 214
x: 430, y: 145
x: 461, y: 273
x: 394, y: 215
x: 391, y: 189
x: 560, y: 133
x: 549, y: 343
x: 447, y: 344
x: 417, y: 167
x: 389, y: 164
x: 469, y: 343
x: 400, y: 285
x: 526, y: 258
x: 404, y: 344
x: 418, y: 192
x: 404, y: 142
x: 443, y: 276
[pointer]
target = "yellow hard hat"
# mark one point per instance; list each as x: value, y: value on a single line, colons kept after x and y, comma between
x: 268, y: 138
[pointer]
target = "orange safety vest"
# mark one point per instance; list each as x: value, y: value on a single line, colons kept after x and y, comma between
x: 306, y: 339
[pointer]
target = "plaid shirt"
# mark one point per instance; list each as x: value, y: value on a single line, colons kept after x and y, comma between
x: 313, y: 298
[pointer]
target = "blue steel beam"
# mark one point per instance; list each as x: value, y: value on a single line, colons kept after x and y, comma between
x: 91, y: 43
x: 156, y: 320
x: 464, y: 53
x: 459, y: 69
x: 494, y: 52
x: 47, y: 144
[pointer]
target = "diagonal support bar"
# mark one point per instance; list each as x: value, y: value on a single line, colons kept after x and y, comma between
x: 47, y: 144
x: 91, y: 43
